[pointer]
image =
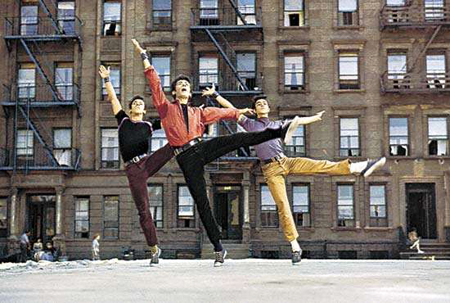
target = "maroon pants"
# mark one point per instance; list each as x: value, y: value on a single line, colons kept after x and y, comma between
x: 138, y: 174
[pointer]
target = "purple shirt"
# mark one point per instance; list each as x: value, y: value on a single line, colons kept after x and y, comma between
x: 268, y: 149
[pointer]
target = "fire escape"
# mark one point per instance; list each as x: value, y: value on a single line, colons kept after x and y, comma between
x: 224, y: 27
x: 429, y: 17
x: 26, y: 101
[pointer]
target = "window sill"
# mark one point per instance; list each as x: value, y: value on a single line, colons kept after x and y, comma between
x: 428, y: 157
x: 338, y: 228
x: 294, y: 92
x: 353, y: 91
x: 306, y: 229
x: 401, y: 157
x: 348, y: 27
x: 290, y: 28
x: 374, y: 228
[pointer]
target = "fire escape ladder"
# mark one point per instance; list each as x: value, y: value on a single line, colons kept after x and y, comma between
x: 41, y: 70
x: 49, y: 14
x: 36, y: 132
x: 435, y: 33
x: 238, y: 12
x: 226, y: 58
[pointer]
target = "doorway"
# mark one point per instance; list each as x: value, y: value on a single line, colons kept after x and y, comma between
x: 41, y: 217
x: 228, y: 211
x: 421, y: 209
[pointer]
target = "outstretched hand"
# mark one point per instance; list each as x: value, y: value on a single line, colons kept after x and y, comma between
x: 104, y: 72
x: 247, y: 111
x: 137, y: 47
x: 209, y: 91
x: 319, y: 115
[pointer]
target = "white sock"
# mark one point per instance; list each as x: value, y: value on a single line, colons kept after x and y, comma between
x: 358, y: 167
x: 295, y: 245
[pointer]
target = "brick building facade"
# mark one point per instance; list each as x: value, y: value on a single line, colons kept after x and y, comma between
x: 378, y: 68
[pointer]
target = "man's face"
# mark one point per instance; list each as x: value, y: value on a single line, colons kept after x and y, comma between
x: 138, y: 106
x: 262, y: 107
x: 182, y: 89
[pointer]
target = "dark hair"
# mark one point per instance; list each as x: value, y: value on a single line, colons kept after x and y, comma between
x: 178, y: 78
x: 137, y: 97
x: 256, y: 98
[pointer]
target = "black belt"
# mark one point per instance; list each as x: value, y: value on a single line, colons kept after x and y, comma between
x: 135, y: 159
x: 181, y: 149
x: 273, y: 159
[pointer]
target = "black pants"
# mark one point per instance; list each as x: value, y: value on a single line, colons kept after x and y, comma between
x: 23, y: 252
x: 192, y: 163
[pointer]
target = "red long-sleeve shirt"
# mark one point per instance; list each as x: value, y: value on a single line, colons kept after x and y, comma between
x: 172, y: 118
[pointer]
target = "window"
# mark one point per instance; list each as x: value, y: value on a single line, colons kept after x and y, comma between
x: 3, y: 216
x: 26, y: 81
x: 209, y: 12
x: 302, y: 214
x: 294, y: 13
x: 397, y: 70
x: 346, y: 213
x: 247, y: 10
x: 110, y: 148
x: 208, y: 71
x: 112, y: 18
x: 64, y: 81
x: 246, y: 68
x: 294, y: 71
x: 395, y: 2
x: 162, y: 12
x: 66, y: 17
x: 62, y: 146
x: 348, y: 12
x: 436, y: 71
x: 155, y: 193
x: 297, y: 149
x: 111, y: 217
x: 437, y: 136
x: 24, y: 143
x: 162, y: 66
x: 186, y: 215
x: 434, y: 10
x: 114, y: 77
x: 158, y: 139
x: 82, y: 217
x: 269, y: 216
x: 398, y: 137
x: 349, y: 138
x: 378, y: 214
x: 29, y: 20
x: 348, y: 70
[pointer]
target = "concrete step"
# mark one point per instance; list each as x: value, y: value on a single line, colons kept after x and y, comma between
x: 234, y: 251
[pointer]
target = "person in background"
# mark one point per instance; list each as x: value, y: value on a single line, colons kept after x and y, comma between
x: 24, y: 246
x: 415, y: 240
x: 96, y: 248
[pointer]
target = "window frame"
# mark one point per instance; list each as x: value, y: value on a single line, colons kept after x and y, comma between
x: 63, y: 149
x: 108, y: 222
x: 215, y: 75
x: 251, y: 82
x: 159, y: 25
x: 408, y: 150
x: 104, y: 163
x: 301, y: 13
x: 29, y: 150
x: 168, y: 56
x: 116, y: 83
x: 189, y: 221
x: 349, y: 84
x: 296, y: 218
x: 341, y: 149
x: 341, y: 15
x: 33, y: 24
x: 117, y: 23
x: 27, y: 85
x: 353, y: 206
x: 447, y: 152
x: 302, y: 84
x: 4, y: 226
x: 67, y: 86
x: 378, y: 221
x: 268, y: 217
x: 156, y: 222
x: 79, y: 234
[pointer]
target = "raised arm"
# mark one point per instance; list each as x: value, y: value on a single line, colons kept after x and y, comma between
x: 115, y: 103
x: 158, y: 95
x: 311, y: 119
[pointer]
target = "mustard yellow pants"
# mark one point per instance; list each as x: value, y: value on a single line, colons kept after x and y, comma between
x: 275, y: 173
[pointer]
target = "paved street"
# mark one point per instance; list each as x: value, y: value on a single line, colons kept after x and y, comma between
x: 252, y: 280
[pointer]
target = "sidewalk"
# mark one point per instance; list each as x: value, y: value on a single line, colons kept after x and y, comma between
x: 250, y: 280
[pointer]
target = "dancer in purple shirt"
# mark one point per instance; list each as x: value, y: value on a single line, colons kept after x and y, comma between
x: 276, y: 166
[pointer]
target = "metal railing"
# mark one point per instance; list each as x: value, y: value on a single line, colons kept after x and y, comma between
x: 414, y: 15
x: 16, y: 27
x: 225, y: 16
x: 40, y: 94
x: 415, y: 83
x: 228, y: 82
x: 38, y: 159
